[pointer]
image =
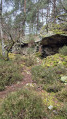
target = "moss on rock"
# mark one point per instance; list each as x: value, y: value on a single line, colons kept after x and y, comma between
x: 53, y: 29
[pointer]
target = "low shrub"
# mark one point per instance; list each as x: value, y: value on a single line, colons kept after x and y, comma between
x: 38, y: 54
x: 47, y: 75
x: 30, y: 60
x: 25, y: 104
x: 57, y: 86
x: 64, y: 110
x: 62, y: 113
x: 62, y: 95
x: 63, y: 50
x: 36, y: 73
x: 9, y: 73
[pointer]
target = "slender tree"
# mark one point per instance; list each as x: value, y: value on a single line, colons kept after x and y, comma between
x: 47, y: 15
x: 1, y: 29
x: 54, y: 8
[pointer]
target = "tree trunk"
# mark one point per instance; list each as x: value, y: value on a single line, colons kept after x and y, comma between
x: 23, y: 32
x: 47, y: 16
x: 24, y: 6
x: 54, y: 10
x: 1, y: 30
x: 37, y: 20
x: 42, y: 16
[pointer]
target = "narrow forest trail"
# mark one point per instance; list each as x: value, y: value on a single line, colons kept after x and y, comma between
x: 19, y: 85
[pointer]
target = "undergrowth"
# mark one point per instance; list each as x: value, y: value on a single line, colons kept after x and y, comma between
x: 63, y: 50
x: 24, y: 104
x: 49, y: 73
x: 10, y: 72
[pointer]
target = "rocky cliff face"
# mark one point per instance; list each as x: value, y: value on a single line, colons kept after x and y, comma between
x: 54, y: 39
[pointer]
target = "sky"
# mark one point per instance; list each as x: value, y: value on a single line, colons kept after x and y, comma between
x: 6, y: 7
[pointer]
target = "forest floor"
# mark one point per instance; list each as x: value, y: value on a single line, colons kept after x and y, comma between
x: 41, y: 77
x: 27, y: 79
x: 14, y: 87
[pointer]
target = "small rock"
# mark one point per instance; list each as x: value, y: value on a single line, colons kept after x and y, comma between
x: 29, y: 84
x: 64, y: 79
x: 18, y: 82
x: 37, y: 59
x: 50, y: 107
x: 54, y: 111
x: 28, y: 72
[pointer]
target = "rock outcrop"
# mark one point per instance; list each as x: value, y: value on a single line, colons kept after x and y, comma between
x: 54, y: 39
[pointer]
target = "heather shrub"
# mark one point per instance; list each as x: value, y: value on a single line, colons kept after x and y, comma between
x: 63, y: 50
x: 24, y: 104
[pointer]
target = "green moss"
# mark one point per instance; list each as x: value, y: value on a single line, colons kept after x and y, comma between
x: 12, y: 55
x: 59, y: 117
x: 38, y: 54
x: 54, y: 60
x: 63, y: 51
x: 53, y: 29
x: 49, y: 99
x: 57, y: 28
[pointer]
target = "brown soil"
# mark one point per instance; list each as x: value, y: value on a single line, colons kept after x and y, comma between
x: 27, y: 79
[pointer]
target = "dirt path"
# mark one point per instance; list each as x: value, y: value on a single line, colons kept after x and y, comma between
x: 19, y: 85
x: 27, y: 79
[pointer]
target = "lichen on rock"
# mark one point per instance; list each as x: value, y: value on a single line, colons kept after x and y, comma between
x: 53, y: 29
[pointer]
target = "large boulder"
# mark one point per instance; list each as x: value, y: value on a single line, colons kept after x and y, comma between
x: 55, y: 38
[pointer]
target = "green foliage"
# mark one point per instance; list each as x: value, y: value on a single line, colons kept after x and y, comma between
x: 62, y: 113
x: 57, y: 86
x: 31, y: 38
x: 58, y: 117
x: 58, y: 28
x: 11, y: 56
x: 24, y: 104
x: 36, y: 73
x: 54, y: 60
x: 10, y: 72
x: 30, y: 51
x: 30, y: 60
x: 47, y: 75
x: 64, y: 110
x: 62, y: 95
x: 38, y: 54
x: 63, y: 50
x: 53, y: 29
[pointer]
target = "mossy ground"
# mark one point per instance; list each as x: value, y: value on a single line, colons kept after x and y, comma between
x: 55, y: 60
x: 47, y: 90
x: 47, y: 76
